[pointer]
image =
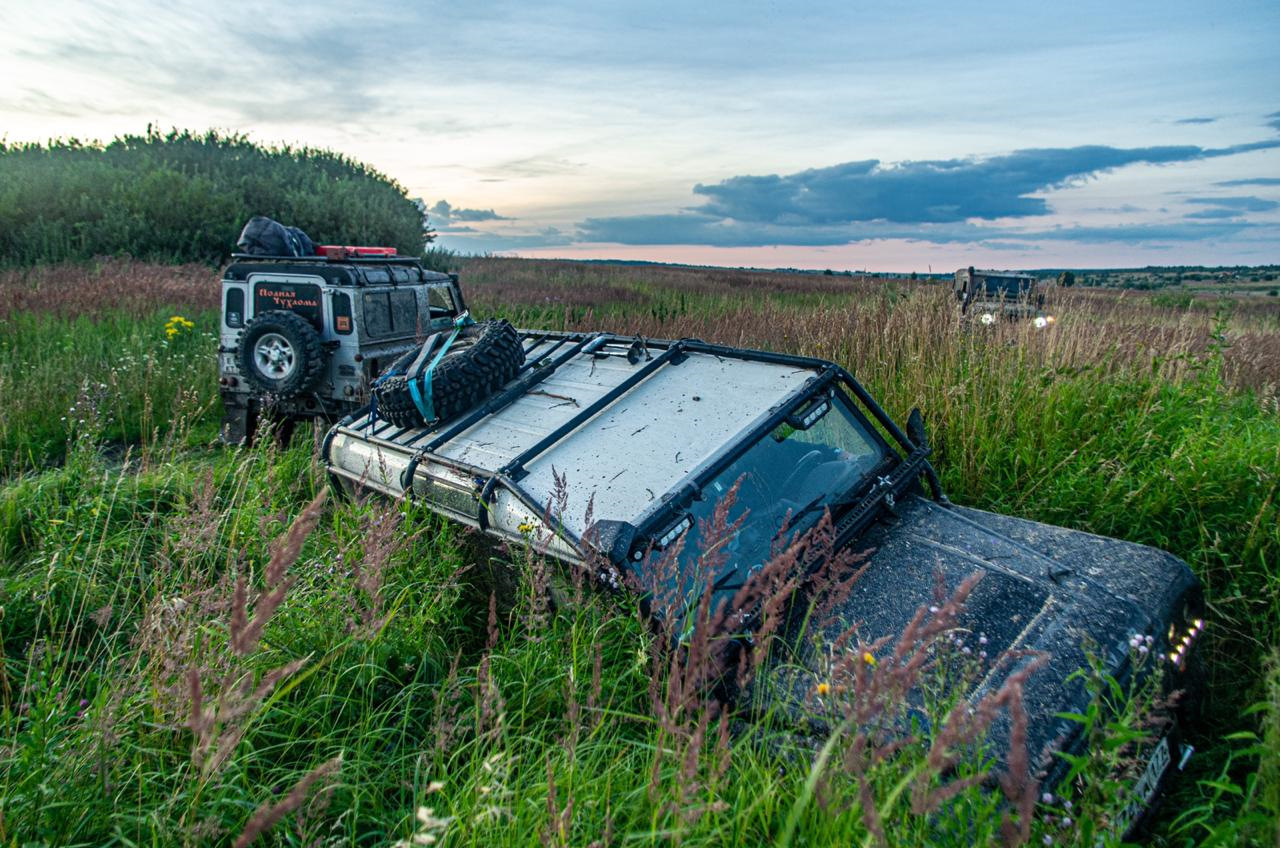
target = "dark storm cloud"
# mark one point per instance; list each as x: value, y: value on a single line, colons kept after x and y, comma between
x: 933, y: 191
x: 1240, y: 204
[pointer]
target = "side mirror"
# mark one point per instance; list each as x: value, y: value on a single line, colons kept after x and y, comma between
x: 915, y: 429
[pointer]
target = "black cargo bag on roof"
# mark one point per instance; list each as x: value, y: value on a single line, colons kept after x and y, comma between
x: 265, y: 237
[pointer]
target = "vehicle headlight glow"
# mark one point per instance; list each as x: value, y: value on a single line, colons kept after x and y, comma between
x: 1180, y: 646
x: 1041, y: 322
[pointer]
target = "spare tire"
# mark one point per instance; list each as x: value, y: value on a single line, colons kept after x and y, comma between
x: 280, y: 352
x: 481, y: 359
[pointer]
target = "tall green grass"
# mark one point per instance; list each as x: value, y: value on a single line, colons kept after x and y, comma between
x: 550, y: 724
x: 117, y: 377
x: 119, y: 551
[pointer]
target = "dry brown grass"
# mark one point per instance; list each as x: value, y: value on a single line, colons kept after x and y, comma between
x: 71, y: 290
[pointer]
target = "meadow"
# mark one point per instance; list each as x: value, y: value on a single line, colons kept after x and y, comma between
x: 200, y: 647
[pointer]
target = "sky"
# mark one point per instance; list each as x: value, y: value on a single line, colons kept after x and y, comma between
x: 849, y: 135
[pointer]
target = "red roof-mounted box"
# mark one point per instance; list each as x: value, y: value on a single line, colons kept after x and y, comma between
x: 337, y: 251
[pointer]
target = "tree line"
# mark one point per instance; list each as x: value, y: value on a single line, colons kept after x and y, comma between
x: 183, y: 197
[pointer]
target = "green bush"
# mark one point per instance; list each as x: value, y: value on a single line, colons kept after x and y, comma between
x: 183, y: 196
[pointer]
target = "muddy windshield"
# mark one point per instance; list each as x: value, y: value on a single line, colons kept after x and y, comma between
x: 825, y: 453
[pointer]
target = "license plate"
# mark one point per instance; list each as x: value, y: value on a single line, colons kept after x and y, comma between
x: 1145, y: 789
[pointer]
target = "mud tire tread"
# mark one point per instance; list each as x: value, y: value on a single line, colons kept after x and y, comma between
x: 307, y: 345
x: 484, y: 357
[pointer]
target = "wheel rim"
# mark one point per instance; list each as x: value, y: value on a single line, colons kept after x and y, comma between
x: 275, y: 357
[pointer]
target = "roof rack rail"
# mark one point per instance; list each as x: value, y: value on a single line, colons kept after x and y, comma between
x: 352, y: 260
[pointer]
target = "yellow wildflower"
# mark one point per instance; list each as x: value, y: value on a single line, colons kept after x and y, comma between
x: 869, y: 658
x: 824, y: 688
x: 177, y: 324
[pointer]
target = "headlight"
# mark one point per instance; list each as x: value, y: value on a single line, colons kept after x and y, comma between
x: 988, y: 318
x: 1041, y: 322
x: 1180, y: 643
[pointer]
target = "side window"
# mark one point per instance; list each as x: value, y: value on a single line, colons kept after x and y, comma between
x: 440, y: 299
x: 233, y: 311
x: 342, y: 313
x: 377, y: 314
x: 404, y: 311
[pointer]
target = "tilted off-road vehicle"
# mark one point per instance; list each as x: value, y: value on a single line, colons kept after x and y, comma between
x: 990, y: 296
x: 643, y: 438
x: 305, y: 336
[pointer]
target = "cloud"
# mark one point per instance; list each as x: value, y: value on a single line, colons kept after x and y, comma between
x: 931, y: 191
x: 1240, y: 204
x: 478, y: 242
x: 446, y: 217
x: 1213, y: 214
x: 939, y: 201
x: 701, y: 229
x: 1252, y: 181
x: 704, y: 230
x: 1195, y: 120
x: 313, y: 69
x: 1273, y: 120
x: 1141, y: 233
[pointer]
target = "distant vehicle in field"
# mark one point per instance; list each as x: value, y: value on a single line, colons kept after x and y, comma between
x: 988, y: 296
x: 304, y: 336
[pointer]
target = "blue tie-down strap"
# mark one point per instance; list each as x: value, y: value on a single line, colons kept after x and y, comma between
x: 422, y: 396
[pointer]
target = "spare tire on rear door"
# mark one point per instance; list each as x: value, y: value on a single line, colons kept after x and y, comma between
x: 280, y: 352
x: 481, y: 359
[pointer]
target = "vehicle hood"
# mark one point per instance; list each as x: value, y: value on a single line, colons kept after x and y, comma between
x: 1058, y: 593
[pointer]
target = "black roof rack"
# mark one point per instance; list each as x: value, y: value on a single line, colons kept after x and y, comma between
x: 354, y: 260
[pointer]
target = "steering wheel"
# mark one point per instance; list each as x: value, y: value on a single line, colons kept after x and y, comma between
x: 807, y: 463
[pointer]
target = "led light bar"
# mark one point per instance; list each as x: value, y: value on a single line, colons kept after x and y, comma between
x: 674, y: 531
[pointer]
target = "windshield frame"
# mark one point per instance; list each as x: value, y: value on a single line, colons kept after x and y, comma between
x: 674, y: 504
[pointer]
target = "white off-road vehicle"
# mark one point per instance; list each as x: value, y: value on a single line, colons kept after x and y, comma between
x: 305, y: 336
x: 609, y: 452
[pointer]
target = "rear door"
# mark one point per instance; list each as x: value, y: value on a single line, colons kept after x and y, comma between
x: 298, y: 294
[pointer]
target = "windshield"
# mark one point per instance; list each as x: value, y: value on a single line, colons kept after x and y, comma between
x: 1009, y: 287
x: 796, y: 471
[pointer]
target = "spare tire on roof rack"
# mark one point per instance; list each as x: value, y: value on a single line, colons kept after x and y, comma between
x: 482, y: 358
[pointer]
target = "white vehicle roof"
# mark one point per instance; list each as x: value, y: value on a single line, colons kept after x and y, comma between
x: 620, y: 421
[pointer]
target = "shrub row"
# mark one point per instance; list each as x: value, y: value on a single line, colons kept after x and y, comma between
x: 183, y: 196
